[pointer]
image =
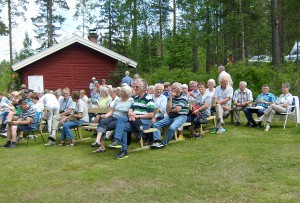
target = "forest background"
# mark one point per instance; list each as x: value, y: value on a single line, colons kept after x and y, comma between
x: 172, y: 40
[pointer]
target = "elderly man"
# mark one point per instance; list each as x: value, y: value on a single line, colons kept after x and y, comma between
x: 127, y: 79
x: 194, y: 90
x: 242, y: 97
x: 67, y: 105
x: 222, y: 99
x: 223, y: 73
x: 160, y: 102
x: 139, y: 118
x: 26, y: 121
x: 261, y: 103
x: 177, y: 109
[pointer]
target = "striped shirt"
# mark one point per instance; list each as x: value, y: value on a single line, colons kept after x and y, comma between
x: 242, y: 96
x: 142, y: 106
x: 30, y: 112
x: 182, y: 101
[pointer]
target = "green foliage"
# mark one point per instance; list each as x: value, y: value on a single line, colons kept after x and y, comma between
x: 6, y: 77
x: 117, y: 75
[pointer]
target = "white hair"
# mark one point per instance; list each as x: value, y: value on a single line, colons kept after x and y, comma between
x: 177, y: 85
x: 159, y: 84
x: 243, y: 83
x: 127, y: 90
x: 212, y: 81
x: 127, y: 73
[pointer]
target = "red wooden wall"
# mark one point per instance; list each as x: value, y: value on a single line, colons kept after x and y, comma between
x: 73, y: 67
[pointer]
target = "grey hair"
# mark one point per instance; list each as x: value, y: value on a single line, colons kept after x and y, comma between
x: 222, y: 68
x: 127, y: 72
x: 244, y: 83
x: 287, y: 85
x: 127, y: 90
x: 177, y: 85
x: 224, y: 77
x: 212, y: 81
x: 144, y: 83
x: 151, y: 87
x: 104, y: 89
x: 159, y: 84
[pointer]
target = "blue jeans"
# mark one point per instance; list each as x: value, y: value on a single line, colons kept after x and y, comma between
x: 123, y: 127
x: 66, y: 130
x: 174, y: 123
x: 249, y: 112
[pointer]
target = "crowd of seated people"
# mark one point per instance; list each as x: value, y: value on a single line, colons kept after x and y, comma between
x: 136, y: 107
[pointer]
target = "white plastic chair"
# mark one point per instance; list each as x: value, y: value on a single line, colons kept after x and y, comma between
x: 291, y: 111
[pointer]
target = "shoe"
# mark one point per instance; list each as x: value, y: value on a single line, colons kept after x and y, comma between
x: 99, y: 150
x: 121, y: 155
x: 51, y: 138
x: 248, y: 124
x: 199, y: 136
x: 261, y: 119
x: 267, y: 127
x: 157, y: 145
x: 222, y: 122
x: 193, y: 136
x: 258, y: 126
x: 4, y: 135
x: 237, y: 123
x: 11, y: 146
x: 51, y: 143
x: 95, y: 144
x: 71, y: 145
x: 253, y: 125
x: 180, y: 137
x: 115, y: 144
x: 20, y: 138
x: 6, y: 145
x: 219, y: 131
x: 32, y: 137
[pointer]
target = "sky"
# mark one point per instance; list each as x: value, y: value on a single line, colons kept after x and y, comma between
x: 19, y: 33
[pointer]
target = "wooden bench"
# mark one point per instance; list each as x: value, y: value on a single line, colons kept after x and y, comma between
x: 91, y: 126
x: 213, y: 118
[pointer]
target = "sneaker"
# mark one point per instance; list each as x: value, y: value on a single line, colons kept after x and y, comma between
x: 219, y: 131
x: 4, y: 135
x: 115, y: 144
x: 51, y: 143
x: 267, y: 127
x: 50, y: 137
x: 237, y: 123
x: 95, y: 144
x: 199, y: 136
x: 261, y: 119
x: 11, y: 146
x: 6, y: 145
x: 121, y: 155
x: 157, y: 145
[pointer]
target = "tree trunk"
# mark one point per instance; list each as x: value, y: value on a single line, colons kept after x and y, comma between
x: 194, y: 38
x: 134, y: 32
x: 208, y: 33
x: 174, y: 18
x: 275, y: 35
x: 10, y: 32
x: 160, y: 32
x: 50, y: 34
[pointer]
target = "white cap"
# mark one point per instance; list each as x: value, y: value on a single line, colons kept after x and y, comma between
x: 185, y: 86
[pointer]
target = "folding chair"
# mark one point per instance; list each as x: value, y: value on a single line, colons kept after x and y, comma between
x: 36, y: 127
x: 291, y: 111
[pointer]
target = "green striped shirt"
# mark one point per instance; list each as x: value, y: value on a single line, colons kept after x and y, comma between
x: 182, y: 101
x: 142, y: 106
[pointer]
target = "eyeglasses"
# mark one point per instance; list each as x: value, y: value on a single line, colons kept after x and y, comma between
x: 136, y: 87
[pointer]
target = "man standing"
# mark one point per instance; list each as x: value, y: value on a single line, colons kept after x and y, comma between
x: 222, y: 99
x: 92, y: 86
x: 177, y: 109
x: 127, y: 80
x: 262, y: 102
x: 242, y: 98
x: 66, y: 107
x: 223, y: 73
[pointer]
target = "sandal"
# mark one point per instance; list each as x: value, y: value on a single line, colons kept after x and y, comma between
x: 95, y: 144
x: 193, y: 136
x: 99, y: 150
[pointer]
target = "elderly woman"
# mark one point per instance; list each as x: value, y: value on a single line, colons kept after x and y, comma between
x: 151, y: 90
x: 103, y: 102
x: 280, y: 106
x: 113, y: 96
x: 199, y: 115
x: 109, y: 120
x: 211, y: 83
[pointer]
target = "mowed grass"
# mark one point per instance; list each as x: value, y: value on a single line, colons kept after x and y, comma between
x: 241, y: 165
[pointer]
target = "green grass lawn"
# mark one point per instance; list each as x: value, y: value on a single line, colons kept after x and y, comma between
x: 241, y: 165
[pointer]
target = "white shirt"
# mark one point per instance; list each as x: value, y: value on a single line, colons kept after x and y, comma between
x: 49, y: 100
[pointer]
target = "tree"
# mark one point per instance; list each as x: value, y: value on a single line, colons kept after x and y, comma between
x: 26, y: 51
x: 48, y: 23
x: 275, y: 34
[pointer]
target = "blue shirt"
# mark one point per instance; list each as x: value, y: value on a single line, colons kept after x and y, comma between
x: 65, y: 104
x: 127, y: 80
x: 269, y: 97
x: 282, y: 99
x: 3, y: 101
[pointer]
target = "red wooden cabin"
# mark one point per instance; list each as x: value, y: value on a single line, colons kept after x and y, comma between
x: 72, y: 64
